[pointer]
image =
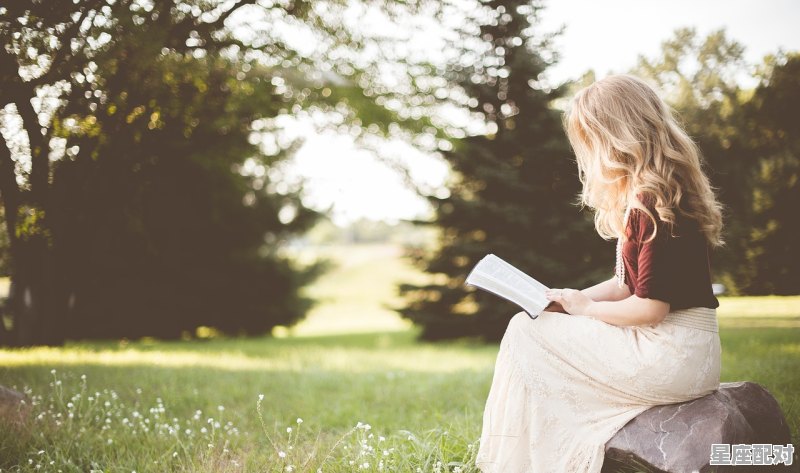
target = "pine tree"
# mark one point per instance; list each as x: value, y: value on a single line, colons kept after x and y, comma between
x: 514, y: 190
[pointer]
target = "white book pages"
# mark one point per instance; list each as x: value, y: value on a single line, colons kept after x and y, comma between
x: 495, y: 275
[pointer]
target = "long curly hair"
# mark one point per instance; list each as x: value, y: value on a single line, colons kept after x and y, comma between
x: 627, y: 143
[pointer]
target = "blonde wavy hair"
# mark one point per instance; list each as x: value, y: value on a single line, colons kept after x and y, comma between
x: 628, y: 142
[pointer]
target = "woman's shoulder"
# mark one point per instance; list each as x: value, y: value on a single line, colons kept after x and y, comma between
x: 640, y: 217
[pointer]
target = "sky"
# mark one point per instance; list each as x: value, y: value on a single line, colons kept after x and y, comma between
x: 607, y: 36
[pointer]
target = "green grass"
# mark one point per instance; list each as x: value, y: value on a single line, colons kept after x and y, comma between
x: 422, y: 402
x: 388, y: 381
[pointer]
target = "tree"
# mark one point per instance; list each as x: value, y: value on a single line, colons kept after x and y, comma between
x: 140, y: 113
x: 770, y: 262
x: 514, y: 188
x: 158, y: 235
x: 123, y: 92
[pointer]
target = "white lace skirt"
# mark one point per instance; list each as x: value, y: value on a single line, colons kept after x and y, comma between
x: 564, y: 384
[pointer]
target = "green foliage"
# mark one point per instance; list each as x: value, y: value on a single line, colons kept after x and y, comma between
x: 772, y: 253
x: 513, y: 190
x: 158, y: 110
x: 159, y: 218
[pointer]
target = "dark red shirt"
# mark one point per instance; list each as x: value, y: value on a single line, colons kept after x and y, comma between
x: 674, y: 269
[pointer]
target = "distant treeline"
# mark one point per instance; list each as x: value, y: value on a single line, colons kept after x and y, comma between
x: 365, y: 231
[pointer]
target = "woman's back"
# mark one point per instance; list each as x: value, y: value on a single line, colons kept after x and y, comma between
x: 675, y: 269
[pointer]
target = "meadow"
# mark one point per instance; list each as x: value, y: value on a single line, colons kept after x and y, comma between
x: 348, y: 389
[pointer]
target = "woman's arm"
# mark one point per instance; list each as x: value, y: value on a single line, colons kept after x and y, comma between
x: 604, y: 291
x: 633, y: 310
x: 607, y: 291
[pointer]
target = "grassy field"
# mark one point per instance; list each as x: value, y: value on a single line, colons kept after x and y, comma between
x: 304, y: 401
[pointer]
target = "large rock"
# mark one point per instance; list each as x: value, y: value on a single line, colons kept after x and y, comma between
x: 677, y: 438
x: 14, y: 406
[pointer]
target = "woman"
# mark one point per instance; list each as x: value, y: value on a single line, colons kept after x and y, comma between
x: 566, y: 382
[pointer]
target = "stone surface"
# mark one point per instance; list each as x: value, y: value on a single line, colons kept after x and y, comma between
x: 14, y: 406
x: 677, y: 438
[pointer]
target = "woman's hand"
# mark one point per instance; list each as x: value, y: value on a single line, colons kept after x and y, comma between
x: 573, y: 301
x: 555, y: 307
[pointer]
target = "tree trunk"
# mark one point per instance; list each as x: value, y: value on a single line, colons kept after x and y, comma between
x: 35, y: 304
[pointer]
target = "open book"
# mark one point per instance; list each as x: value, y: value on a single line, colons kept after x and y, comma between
x: 494, y: 275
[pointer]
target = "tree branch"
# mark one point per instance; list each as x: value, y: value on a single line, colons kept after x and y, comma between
x: 9, y: 191
x: 40, y: 170
x: 179, y: 33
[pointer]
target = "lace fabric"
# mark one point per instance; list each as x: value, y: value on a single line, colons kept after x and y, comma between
x: 564, y: 384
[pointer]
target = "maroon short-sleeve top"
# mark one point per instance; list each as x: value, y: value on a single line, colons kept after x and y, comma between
x: 674, y: 269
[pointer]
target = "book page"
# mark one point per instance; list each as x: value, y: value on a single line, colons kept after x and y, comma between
x: 495, y: 275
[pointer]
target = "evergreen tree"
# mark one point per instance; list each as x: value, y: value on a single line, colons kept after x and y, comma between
x: 770, y: 262
x: 514, y: 189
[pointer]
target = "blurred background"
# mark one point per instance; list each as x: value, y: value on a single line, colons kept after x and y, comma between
x: 202, y: 168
